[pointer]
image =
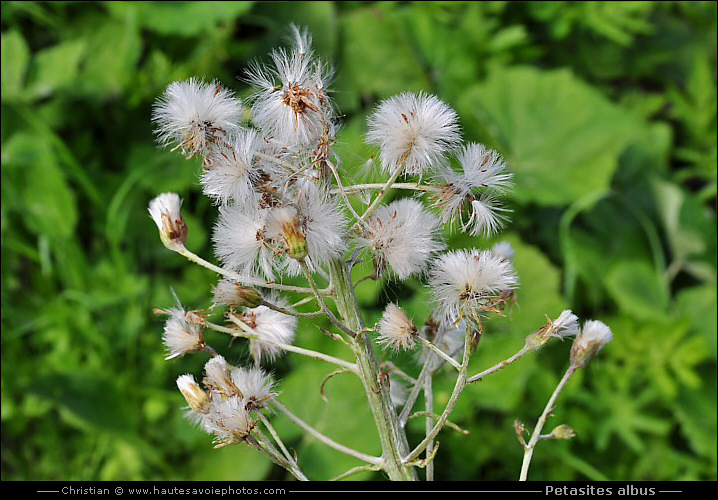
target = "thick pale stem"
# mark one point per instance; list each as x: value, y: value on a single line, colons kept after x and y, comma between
x: 529, y: 448
x: 392, y: 436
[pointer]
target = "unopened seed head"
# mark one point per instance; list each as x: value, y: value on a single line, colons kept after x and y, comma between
x: 231, y: 293
x: 165, y: 212
x: 594, y: 335
x: 196, y: 397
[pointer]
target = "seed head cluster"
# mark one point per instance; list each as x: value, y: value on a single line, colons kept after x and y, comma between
x: 288, y: 219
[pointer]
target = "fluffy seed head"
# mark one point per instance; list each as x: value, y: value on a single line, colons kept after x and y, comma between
x: 413, y: 131
x: 228, y: 419
x: 403, y: 235
x: 282, y: 226
x: 195, y: 115
x: 291, y: 105
x: 230, y: 293
x: 254, y: 385
x: 230, y: 171
x: 466, y: 282
x: 165, y: 211
x: 396, y: 329
x: 272, y: 327
x: 182, y: 333
x: 472, y: 195
x: 217, y: 377
x: 566, y: 325
x: 594, y: 335
x: 240, y: 241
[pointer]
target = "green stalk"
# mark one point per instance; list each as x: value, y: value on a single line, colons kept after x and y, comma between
x: 392, y: 436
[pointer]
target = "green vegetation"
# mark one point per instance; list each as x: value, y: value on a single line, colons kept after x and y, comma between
x: 605, y: 111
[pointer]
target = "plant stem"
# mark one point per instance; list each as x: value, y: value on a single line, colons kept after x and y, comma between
x: 397, y: 185
x: 429, y: 406
x: 242, y: 278
x: 380, y: 195
x: 249, y: 333
x: 529, y: 449
x: 440, y: 353
x: 324, y: 439
x: 279, y: 441
x: 392, y: 436
x: 458, y: 387
x: 498, y: 366
x: 290, y: 312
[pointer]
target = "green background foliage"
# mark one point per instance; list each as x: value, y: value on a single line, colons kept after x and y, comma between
x: 605, y: 112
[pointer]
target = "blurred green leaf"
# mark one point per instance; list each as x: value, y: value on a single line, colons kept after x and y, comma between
x: 93, y: 400
x: 45, y: 197
x: 55, y: 67
x: 560, y: 137
x: 181, y: 18
x: 637, y: 288
x: 15, y: 57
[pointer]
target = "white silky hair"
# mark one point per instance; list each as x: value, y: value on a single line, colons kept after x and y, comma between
x: 404, y: 235
x: 462, y: 280
x: 414, y: 132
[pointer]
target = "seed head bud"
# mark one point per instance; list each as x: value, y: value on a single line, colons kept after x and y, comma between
x: 396, y: 329
x: 283, y: 227
x: 566, y: 325
x: 165, y: 211
x: 195, y: 396
x: 562, y: 431
x: 592, y: 338
x: 233, y: 294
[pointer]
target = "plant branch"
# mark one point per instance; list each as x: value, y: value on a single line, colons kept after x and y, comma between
x: 324, y: 439
x: 529, y: 448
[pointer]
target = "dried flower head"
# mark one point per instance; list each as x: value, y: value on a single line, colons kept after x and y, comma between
x: 396, y: 329
x: 475, y: 190
x: 231, y: 293
x: 414, y: 132
x: 282, y: 227
x: 566, y: 325
x: 403, y: 235
x: 254, y: 385
x: 240, y: 241
x: 291, y: 105
x: 466, y: 282
x: 228, y: 419
x: 217, y: 377
x: 195, y: 115
x: 197, y: 399
x: 230, y: 171
x: 503, y: 250
x: 594, y: 335
x: 272, y: 327
x: 182, y: 332
x: 165, y: 211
